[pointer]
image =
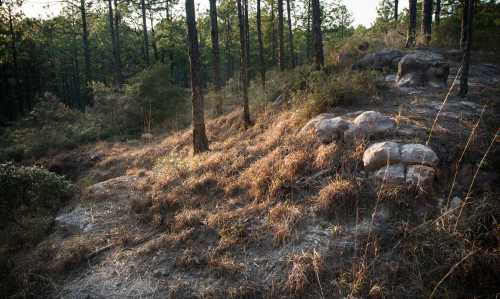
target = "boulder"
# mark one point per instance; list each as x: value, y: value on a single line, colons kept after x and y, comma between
x: 423, y: 68
x: 331, y: 129
x: 391, y: 174
x: 420, y: 175
x: 311, y: 124
x: 386, y: 58
x: 373, y: 122
x: 380, y: 154
x: 418, y: 154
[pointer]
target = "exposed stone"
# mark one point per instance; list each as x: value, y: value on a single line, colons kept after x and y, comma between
x: 331, y: 129
x: 420, y: 175
x: 418, y: 154
x: 423, y: 68
x: 386, y: 58
x: 380, y: 154
x: 314, y: 121
x: 372, y: 122
x: 391, y: 174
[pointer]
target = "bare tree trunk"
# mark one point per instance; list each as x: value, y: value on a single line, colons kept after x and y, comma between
x: 290, y: 35
x: 86, y: 54
x: 396, y: 4
x: 200, y: 140
x: 463, y: 33
x: 412, y: 24
x: 281, y: 40
x: 427, y: 21
x: 273, y: 34
x: 244, y: 66
x: 214, y: 30
x: 319, y: 59
x: 247, y: 34
x: 437, y: 12
x: 464, y: 78
x: 118, y: 43
x: 145, y: 33
x: 261, y: 47
x: 308, y: 31
x: 153, y: 38
x: 113, y: 39
x: 228, y: 46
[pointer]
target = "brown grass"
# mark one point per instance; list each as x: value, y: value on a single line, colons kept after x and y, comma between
x: 339, y: 198
x: 283, y: 219
x: 305, y: 270
x: 188, y: 218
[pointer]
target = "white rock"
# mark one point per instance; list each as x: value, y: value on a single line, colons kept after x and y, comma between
x: 311, y: 124
x: 380, y: 154
x: 331, y: 129
x: 372, y: 122
x: 420, y: 175
x: 455, y: 202
x: 391, y: 174
x: 418, y: 154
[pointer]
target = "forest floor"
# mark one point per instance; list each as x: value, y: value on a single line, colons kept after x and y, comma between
x: 243, y: 220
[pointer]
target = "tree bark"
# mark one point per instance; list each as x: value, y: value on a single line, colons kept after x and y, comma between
x: 214, y: 31
x: 290, y: 35
x: 200, y: 140
x: 427, y: 21
x: 247, y: 34
x: 145, y: 33
x: 261, y: 47
x: 319, y: 59
x: 86, y: 53
x: 437, y: 12
x: 281, y: 40
x: 153, y: 38
x: 118, y: 43
x: 244, y: 66
x: 412, y: 24
x: 273, y: 34
x: 308, y: 31
x: 396, y: 4
x: 463, y: 33
x: 228, y: 46
x: 464, y: 78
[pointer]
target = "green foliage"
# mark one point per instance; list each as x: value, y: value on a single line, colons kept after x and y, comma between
x: 51, y: 126
x: 29, y: 195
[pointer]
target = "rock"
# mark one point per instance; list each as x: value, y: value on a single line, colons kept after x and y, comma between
x: 423, y: 68
x: 331, y: 129
x: 418, y: 154
x: 380, y: 154
x: 314, y: 121
x: 386, y: 58
x: 391, y: 174
x: 372, y: 122
x: 420, y: 175
x: 455, y: 202
x: 281, y: 99
x: 147, y: 136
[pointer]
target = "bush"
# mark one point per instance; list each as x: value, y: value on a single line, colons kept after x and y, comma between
x: 50, y: 126
x: 29, y: 199
x: 149, y: 100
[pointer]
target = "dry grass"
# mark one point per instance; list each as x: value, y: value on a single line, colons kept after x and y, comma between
x: 339, y: 198
x: 283, y: 219
x: 327, y: 156
x: 189, y: 218
x: 306, y: 270
x: 224, y: 266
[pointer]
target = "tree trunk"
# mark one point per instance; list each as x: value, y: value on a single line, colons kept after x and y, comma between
x: 153, y: 38
x: 281, y: 40
x: 261, y: 47
x: 200, y: 140
x: 118, y: 43
x: 396, y: 4
x: 464, y: 78
x: 319, y: 59
x: 463, y: 33
x: 86, y: 54
x: 273, y: 34
x: 412, y: 24
x: 247, y: 34
x: 437, y: 12
x: 19, y: 102
x: 228, y: 46
x: 244, y: 66
x: 214, y: 30
x: 290, y: 35
x: 427, y: 21
x: 145, y: 33
x: 308, y: 31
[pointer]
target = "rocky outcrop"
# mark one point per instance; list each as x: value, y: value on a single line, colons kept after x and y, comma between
x: 423, y: 68
x: 380, y: 154
x: 373, y: 122
x: 413, y: 164
x: 384, y: 59
x: 331, y: 129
